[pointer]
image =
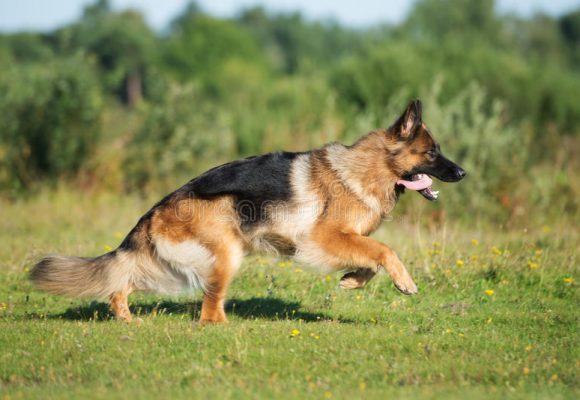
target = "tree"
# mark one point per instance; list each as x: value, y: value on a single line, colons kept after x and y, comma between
x: 122, y: 43
x: 201, y: 47
x: 292, y: 43
x: 436, y: 19
x: 570, y: 27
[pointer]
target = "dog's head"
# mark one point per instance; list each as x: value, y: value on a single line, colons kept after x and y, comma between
x: 415, y: 156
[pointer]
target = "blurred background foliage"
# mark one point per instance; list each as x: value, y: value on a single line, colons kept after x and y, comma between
x: 108, y: 104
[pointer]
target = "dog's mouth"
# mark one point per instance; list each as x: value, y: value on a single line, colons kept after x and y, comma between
x: 420, y: 183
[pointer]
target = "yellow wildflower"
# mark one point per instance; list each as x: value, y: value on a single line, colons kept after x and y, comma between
x: 362, y: 386
x: 554, y: 378
x: 459, y: 263
x: 474, y: 242
x: 294, y: 333
x: 107, y: 248
x: 495, y: 251
x: 327, y: 395
x: 489, y: 292
x: 568, y: 280
x: 528, y: 348
x: 526, y: 371
x: 533, y: 265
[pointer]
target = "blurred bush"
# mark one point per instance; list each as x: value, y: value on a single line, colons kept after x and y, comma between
x: 201, y: 47
x: 293, y: 113
x: 178, y: 138
x: 540, y: 93
x: 51, y: 120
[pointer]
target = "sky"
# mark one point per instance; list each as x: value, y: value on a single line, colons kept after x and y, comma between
x: 43, y: 15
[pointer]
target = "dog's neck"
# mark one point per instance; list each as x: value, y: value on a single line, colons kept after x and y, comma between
x: 364, y: 169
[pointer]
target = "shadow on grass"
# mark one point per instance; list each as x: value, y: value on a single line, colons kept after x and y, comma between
x: 251, y: 309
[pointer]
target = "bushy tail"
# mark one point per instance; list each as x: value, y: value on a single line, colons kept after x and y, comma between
x: 83, y: 277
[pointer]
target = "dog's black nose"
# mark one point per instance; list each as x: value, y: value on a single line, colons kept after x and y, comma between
x: 460, y: 172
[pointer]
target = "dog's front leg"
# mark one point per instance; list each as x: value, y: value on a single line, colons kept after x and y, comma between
x: 347, y: 249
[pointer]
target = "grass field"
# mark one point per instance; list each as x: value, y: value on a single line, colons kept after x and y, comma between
x: 497, y: 316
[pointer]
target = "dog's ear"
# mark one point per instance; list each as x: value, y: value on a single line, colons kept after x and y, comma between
x: 409, y: 121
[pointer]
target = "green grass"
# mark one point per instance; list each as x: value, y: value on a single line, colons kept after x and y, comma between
x: 452, y: 340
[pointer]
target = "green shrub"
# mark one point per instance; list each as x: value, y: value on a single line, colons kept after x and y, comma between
x: 293, y: 113
x: 51, y: 119
x: 542, y: 93
x: 180, y: 136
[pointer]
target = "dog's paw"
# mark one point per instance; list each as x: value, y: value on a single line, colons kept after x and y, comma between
x: 407, y: 287
x: 400, y: 276
x: 350, y: 283
x: 356, y: 279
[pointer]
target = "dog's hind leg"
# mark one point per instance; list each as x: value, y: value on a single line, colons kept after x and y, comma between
x: 120, y: 305
x: 228, y: 260
x: 357, y: 279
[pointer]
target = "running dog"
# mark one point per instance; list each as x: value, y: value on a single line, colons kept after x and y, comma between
x: 318, y: 206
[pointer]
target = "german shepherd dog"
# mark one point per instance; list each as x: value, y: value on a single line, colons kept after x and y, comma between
x: 318, y: 206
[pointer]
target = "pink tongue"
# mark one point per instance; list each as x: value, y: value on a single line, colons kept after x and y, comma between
x: 422, y: 183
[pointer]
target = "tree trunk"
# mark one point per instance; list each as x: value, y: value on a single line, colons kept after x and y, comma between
x: 134, y: 88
